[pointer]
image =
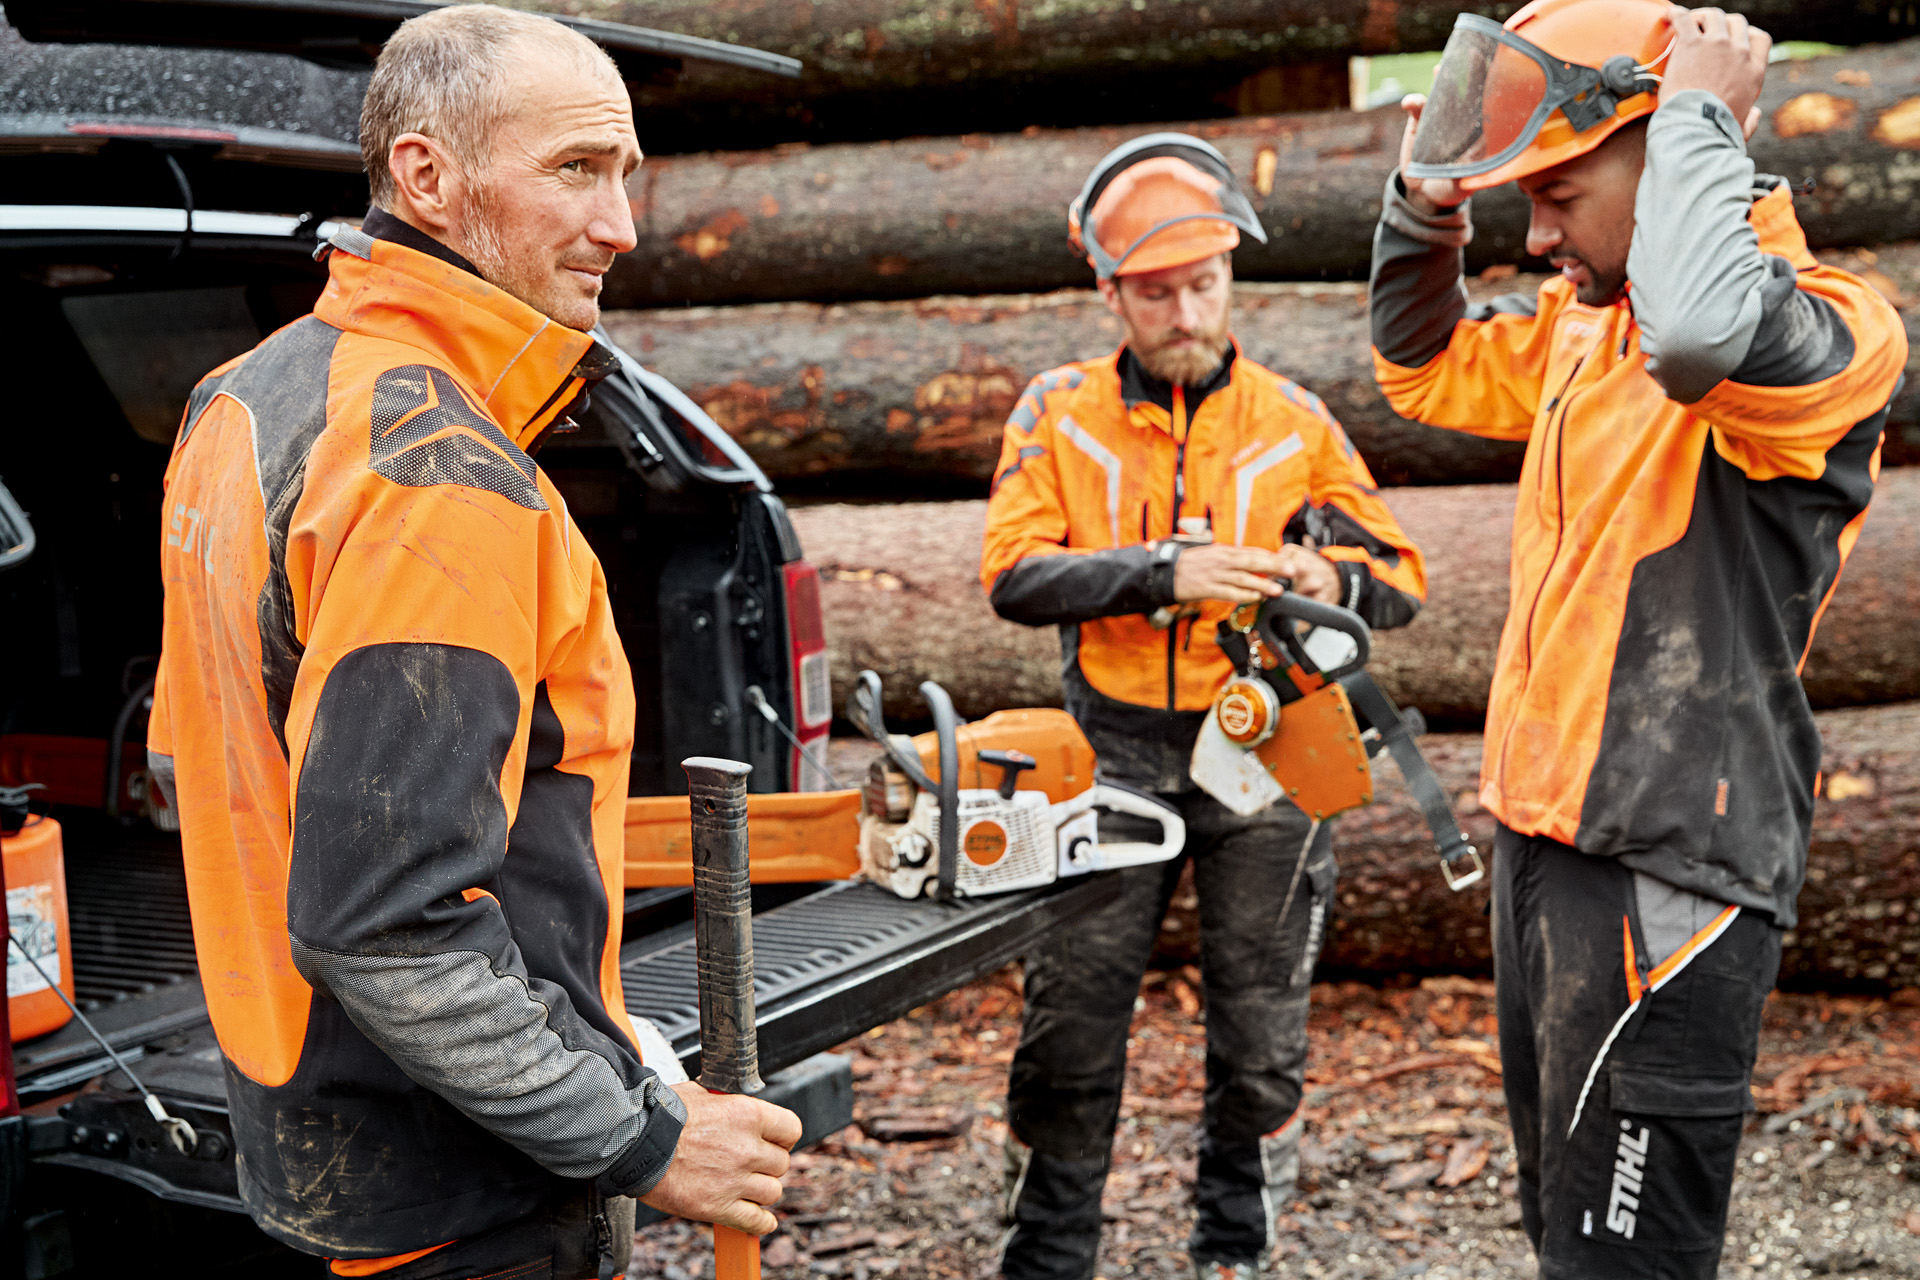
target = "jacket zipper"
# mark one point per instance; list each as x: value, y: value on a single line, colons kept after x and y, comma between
x: 1179, y: 500
x: 1563, y: 401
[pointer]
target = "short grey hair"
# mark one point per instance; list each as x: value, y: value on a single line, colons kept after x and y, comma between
x: 445, y: 74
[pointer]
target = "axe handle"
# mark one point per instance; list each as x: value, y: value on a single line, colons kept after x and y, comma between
x: 723, y: 953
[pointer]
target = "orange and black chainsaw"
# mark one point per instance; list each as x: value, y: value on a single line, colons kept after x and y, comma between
x: 1301, y: 717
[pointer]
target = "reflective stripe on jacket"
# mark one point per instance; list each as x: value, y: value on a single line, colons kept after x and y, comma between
x: 1670, y: 559
x: 398, y: 721
x: 1084, y: 501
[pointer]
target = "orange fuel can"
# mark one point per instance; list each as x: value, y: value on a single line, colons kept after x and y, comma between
x: 37, y: 920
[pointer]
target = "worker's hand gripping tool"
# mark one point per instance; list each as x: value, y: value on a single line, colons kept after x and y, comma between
x: 723, y: 953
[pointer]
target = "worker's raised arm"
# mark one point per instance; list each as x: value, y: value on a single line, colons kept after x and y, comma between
x: 1439, y: 360
x: 425, y: 608
x: 1736, y: 317
x: 1030, y: 575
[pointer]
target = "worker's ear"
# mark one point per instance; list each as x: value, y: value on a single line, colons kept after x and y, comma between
x: 1110, y: 294
x: 426, y: 183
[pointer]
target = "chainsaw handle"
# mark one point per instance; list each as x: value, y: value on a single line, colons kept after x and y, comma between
x: 1293, y: 605
x: 1121, y: 798
x: 864, y: 713
x: 946, y: 725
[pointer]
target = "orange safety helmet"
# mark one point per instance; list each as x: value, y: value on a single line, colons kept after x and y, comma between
x: 1162, y: 200
x: 1554, y: 83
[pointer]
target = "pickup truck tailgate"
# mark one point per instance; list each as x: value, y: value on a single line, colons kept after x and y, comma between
x: 852, y: 956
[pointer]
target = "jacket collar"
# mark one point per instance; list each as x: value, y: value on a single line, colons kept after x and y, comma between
x: 1138, y: 387
x: 520, y: 365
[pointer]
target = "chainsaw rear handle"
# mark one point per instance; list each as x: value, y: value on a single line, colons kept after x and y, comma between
x: 1089, y: 855
x: 1293, y: 605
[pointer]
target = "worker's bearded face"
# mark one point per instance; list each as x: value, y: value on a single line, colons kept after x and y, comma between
x: 1177, y: 320
x: 545, y: 215
x: 1582, y: 219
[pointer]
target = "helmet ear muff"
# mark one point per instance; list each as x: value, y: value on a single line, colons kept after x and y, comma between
x: 1623, y: 77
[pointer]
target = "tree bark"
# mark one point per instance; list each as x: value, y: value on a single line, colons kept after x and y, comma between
x: 901, y: 594
x: 1859, y: 912
x: 888, y: 68
x: 984, y: 213
x: 908, y: 399
x: 905, y: 397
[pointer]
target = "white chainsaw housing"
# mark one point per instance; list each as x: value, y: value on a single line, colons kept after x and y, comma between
x: 1010, y: 844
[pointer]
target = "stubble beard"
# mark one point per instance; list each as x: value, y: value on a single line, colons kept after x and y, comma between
x: 486, y: 249
x: 1188, y: 365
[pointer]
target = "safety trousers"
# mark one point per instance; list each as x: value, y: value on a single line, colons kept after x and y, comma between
x: 578, y: 1234
x: 1266, y: 887
x: 1629, y: 1021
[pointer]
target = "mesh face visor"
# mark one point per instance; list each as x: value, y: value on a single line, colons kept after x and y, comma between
x: 1492, y: 93
x: 1196, y: 194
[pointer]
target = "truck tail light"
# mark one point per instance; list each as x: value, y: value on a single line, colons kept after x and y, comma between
x: 812, y: 689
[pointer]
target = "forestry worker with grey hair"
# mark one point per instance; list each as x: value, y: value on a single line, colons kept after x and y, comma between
x: 397, y: 719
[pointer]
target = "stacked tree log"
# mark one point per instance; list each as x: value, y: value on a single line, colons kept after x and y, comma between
x: 901, y: 594
x: 983, y: 213
x: 1859, y: 920
x: 889, y: 68
x: 912, y: 396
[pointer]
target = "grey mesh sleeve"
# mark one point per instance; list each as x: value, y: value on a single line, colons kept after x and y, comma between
x: 1699, y: 278
x: 398, y: 829
x: 1414, y: 290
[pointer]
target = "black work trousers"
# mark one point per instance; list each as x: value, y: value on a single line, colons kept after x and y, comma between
x: 1257, y: 951
x: 1626, y: 1115
x: 577, y: 1235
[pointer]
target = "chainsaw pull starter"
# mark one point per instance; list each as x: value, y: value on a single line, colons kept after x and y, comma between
x: 1012, y: 764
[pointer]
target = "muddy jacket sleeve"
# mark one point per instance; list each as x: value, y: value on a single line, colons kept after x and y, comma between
x: 425, y: 632
x: 1740, y: 334
x: 1382, y: 574
x: 1474, y: 368
x: 1029, y: 575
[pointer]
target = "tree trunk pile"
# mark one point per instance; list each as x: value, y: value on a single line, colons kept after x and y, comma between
x: 895, y: 67
x: 901, y: 594
x: 909, y: 398
x: 1859, y: 921
x: 985, y: 213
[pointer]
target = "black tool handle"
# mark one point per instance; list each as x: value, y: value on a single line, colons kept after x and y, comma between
x: 1314, y: 613
x: 723, y: 924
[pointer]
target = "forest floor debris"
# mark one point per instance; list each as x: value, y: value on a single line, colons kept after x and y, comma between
x: 1407, y: 1167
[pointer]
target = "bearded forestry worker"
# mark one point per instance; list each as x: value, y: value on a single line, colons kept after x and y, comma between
x: 1141, y: 497
x: 1702, y: 404
x: 397, y: 719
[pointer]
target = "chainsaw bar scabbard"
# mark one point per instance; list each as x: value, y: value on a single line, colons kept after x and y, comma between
x: 723, y: 924
x: 1460, y: 862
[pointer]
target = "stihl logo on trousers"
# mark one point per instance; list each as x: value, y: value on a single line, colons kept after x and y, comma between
x: 1629, y: 1171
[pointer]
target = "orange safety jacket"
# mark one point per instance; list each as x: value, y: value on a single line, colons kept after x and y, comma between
x: 396, y: 720
x: 1099, y: 464
x: 1670, y: 560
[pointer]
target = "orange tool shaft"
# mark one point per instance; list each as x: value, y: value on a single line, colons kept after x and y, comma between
x: 736, y: 1255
